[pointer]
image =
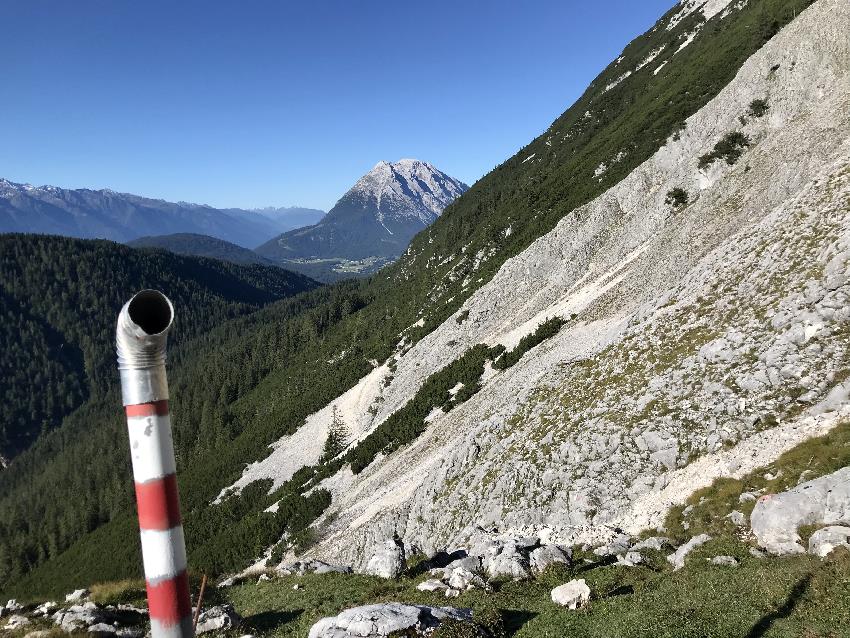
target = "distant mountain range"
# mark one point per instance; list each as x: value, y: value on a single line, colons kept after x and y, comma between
x: 371, y: 224
x: 106, y: 214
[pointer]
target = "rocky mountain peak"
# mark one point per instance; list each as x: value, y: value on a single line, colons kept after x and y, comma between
x: 407, y: 189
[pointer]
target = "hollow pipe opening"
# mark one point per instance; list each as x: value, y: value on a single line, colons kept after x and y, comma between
x: 151, y: 311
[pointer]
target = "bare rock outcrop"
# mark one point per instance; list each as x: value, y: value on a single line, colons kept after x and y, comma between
x: 777, y: 517
x: 375, y: 621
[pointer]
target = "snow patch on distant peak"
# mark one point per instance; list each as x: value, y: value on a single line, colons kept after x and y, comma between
x: 408, y: 188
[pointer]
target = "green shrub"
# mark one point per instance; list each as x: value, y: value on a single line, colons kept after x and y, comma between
x: 457, y: 629
x: 758, y: 108
x: 677, y: 197
x: 545, y: 330
x: 404, y: 425
x: 730, y: 148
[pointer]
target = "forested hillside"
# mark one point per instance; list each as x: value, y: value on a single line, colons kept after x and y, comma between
x: 59, y: 298
x: 247, y: 382
x: 201, y: 246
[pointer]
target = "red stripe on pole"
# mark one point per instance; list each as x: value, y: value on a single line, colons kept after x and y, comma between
x: 158, y: 503
x: 156, y: 408
x: 168, y: 600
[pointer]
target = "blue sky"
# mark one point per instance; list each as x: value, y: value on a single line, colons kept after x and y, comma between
x: 257, y: 103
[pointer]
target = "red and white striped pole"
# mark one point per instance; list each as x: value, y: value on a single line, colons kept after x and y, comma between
x: 143, y: 326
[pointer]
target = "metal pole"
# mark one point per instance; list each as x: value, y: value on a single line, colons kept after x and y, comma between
x: 143, y: 326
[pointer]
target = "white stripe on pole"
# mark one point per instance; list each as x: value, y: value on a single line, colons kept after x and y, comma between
x: 180, y: 630
x: 163, y: 552
x: 151, y: 447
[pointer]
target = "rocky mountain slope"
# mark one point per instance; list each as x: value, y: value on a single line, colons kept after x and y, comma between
x: 105, y: 214
x: 706, y: 332
x: 201, y: 246
x: 372, y: 223
x: 279, y: 371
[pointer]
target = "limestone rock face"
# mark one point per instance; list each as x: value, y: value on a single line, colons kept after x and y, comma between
x: 823, y: 541
x: 374, y: 621
x: 572, y: 595
x: 776, y: 517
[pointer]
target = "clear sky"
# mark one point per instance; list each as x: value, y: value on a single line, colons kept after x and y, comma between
x: 258, y: 102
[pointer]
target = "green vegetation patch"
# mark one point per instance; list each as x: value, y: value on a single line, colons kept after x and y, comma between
x: 677, y: 197
x: 438, y: 391
x: 758, y: 108
x: 545, y: 330
x: 729, y: 148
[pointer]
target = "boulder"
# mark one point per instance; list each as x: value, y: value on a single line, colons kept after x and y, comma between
x: 45, y: 609
x: 77, y: 595
x: 373, y: 621
x: 431, y: 585
x: 469, y: 563
x: 130, y: 632
x: 776, y: 517
x: 325, y: 568
x: 77, y: 618
x: 677, y: 559
x: 572, y: 595
x: 823, y: 541
x: 102, y: 629
x: 462, y: 579
x: 618, y: 545
x: 218, y: 618
x: 737, y: 518
x: 16, y: 621
x: 542, y: 557
x: 630, y: 559
x: 509, y: 563
x: 38, y: 633
x: 656, y: 543
x: 726, y: 561
x: 13, y: 605
x: 388, y: 562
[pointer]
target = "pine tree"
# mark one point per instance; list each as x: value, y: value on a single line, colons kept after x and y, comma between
x: 337, y: 436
